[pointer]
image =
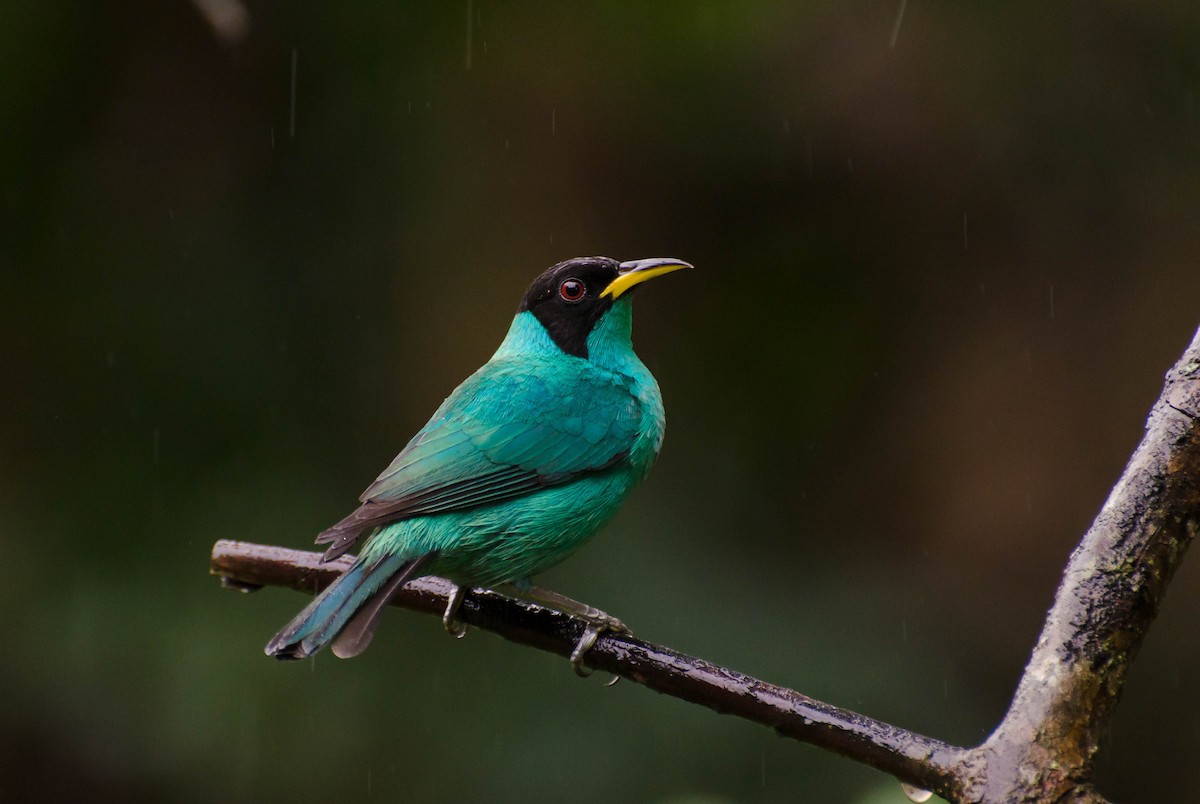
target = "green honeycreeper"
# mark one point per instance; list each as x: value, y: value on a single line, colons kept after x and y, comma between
x: 519, y: 467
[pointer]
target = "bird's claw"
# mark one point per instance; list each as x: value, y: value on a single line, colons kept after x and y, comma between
x: 585, y: 643
x: 595, y: 622
x: 591, y: 634
x: 453, y: 627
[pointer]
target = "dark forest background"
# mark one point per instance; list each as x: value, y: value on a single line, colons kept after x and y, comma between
x: 943, y: 262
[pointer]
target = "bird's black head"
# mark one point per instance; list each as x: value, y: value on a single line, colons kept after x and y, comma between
x: 569, y: 298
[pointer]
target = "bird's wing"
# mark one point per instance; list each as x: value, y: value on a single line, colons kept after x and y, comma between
x: 509, y: 429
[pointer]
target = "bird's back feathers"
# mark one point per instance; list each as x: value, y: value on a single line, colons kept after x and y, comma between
x: 513, y: 427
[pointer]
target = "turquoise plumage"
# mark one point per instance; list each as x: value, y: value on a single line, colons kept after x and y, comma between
x: 520, y: 466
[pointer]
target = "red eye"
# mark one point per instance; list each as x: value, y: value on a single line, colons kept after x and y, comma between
x: 571, y: 290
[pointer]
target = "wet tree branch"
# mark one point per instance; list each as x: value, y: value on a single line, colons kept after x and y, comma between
x: 1044, y: 748
x: 1110, y: 594
x: 908, y: 756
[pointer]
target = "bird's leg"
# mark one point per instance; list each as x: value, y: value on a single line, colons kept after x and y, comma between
x: 453, y: 602
x: 597, y: 622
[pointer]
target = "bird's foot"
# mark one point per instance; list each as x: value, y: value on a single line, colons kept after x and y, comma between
x: 597, y: 622
x: 595, y: 627
x: 453, y: 603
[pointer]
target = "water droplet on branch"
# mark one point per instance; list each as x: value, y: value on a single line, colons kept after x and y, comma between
x: 914, y: 793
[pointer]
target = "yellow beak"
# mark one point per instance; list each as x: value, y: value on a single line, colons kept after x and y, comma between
x: 636, y: 272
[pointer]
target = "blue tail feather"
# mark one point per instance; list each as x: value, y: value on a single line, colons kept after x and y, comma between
x: 328, y: 613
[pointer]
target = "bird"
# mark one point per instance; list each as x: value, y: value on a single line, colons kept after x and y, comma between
x: 520, y: 466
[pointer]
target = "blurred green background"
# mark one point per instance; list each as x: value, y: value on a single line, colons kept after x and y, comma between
x: 943, y: 262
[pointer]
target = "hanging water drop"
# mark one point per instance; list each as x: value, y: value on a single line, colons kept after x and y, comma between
x: 915, y: 794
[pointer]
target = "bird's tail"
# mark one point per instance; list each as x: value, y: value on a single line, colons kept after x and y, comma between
x: 347, y: 611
